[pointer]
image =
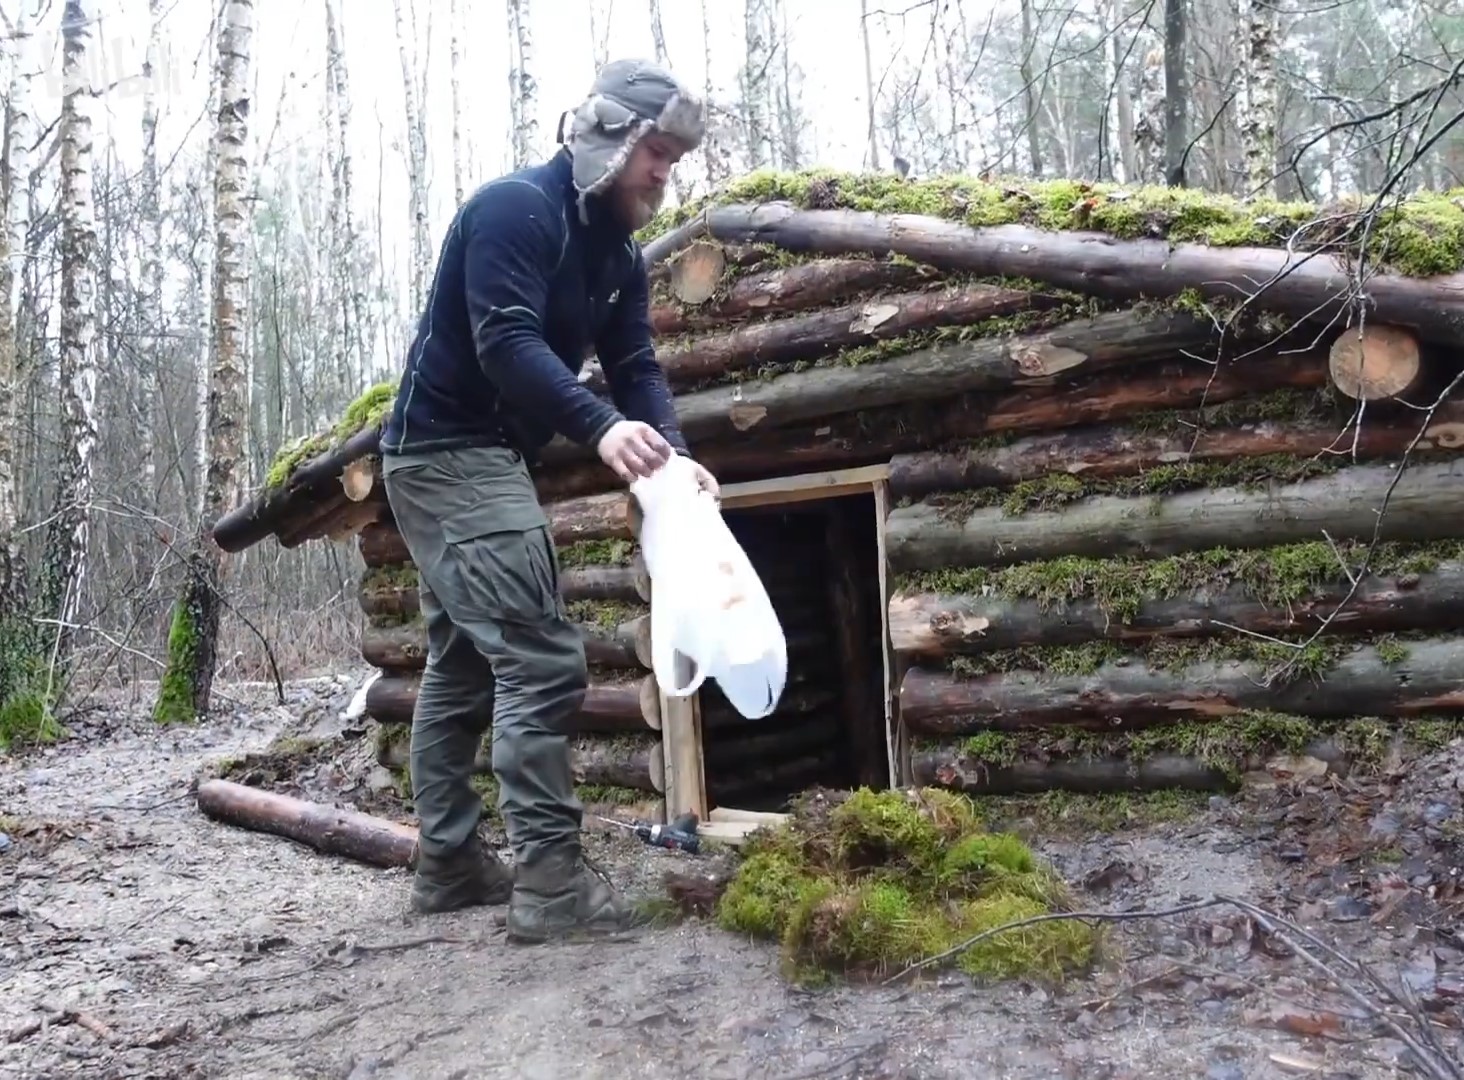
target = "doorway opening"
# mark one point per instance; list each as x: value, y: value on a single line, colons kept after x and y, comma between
x: 820, y: 563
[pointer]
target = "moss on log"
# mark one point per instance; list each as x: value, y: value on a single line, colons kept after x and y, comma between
x: 1081, y: 456
x: 1369, y: 680
x: 1424, y: 505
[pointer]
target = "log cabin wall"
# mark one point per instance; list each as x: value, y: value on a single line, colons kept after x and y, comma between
x: 1125, y: 503
x: 616, y: 747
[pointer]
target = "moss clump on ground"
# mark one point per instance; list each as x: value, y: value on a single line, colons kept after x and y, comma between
x: 367, y: 410
x: 1276, y: 575
x: 864, y: 884
x: 389, y: 578
x: 1422, y: 235
x: 27, y: 697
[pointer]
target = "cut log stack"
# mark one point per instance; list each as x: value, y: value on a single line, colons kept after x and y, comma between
x: 1137, y: 444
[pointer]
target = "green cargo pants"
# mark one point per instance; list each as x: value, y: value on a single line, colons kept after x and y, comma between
x: 500, y: 650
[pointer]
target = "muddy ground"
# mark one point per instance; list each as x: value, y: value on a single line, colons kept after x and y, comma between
x: 137, y: 938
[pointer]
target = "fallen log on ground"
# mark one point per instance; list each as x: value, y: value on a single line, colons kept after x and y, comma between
x: 1302, y: 284
x: 610, y: 707
x: 785, y: 289
x: 1105, y: 452
x: 1362, y: 683
x: 936, y: 625
x: 873, y: 436
x: 1425, y: 505
x: 328, y: 829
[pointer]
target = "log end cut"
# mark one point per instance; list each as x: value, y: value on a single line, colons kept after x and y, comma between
x: 697, y: 272
x: 1376, y: 362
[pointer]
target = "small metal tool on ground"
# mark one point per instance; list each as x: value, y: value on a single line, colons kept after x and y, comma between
x: 679, y: 835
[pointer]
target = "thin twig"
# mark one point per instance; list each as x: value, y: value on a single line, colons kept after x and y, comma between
x: 1436, y: 1065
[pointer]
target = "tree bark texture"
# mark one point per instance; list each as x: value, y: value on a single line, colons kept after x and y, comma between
x: 1297, y: 283
x: 1105, y: 452
x: 1424, y: 505
x: 934, y: 625
x: 1361, y: 684
x: 328, y: 829
x: 784, y: 290
x: 631, y: 706
x: 873, y: 436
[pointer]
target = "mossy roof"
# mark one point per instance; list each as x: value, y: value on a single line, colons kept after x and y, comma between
x: 1420, y: 236
x: 368, y: 410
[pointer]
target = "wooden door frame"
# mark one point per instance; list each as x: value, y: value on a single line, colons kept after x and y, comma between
x: 681, y: 729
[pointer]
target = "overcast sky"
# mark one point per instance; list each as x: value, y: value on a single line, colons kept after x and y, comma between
x: 289, y: 60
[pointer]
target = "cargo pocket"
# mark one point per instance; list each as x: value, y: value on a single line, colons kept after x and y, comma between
x: 506, y: 562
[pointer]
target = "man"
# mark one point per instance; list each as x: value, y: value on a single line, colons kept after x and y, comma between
x: 538, y: 270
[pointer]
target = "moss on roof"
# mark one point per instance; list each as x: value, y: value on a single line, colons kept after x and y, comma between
x: 1420, y: 236
x: 367, y: 410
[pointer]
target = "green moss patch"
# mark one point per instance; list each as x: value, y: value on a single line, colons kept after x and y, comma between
x: 367, y: 410
x: 1275, y: 575
x: 1422, y: 235
x: 604, y: 615
x: 597, y: 553
x: 1054, y: 490
x: 862, y: 885
x: 27, y: 696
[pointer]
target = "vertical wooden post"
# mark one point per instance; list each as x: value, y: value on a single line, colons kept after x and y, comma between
x: 896, y: 745
x: 683, y: 778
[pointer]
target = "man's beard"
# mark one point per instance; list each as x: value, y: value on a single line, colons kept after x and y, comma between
x: 641, y: 206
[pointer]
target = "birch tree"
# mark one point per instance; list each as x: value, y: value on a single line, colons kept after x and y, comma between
x: 19, y: 133
x: 152, y: 257
x: 193, y: 638
x: 715, y: 152
x: 416, y: 160
x: 459, y: 166
x: 757, y: 61
x: 64, y: 569
x: 1256, y: 24
x: 523, y: 89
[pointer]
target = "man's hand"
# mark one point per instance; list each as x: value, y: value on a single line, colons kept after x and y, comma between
x: 633, y: 449
x: 706, y: 481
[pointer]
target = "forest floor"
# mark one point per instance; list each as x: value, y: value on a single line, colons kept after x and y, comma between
x: 138, y: 938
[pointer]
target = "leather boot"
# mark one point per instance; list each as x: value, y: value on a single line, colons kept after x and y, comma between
x: 563, y: 895
x: 467, y: 877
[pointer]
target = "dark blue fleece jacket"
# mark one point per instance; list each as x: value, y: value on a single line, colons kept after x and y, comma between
x: 524, y: 293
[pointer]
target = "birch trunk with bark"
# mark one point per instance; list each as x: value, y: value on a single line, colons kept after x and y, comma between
x: 1256, y: 23
x: 152, y: 260
x: 64, y: 573
x: 18, y: 135
x: 756, y: 62
x: 416, y: 160
x: 523, y: 88
x: 193, y: 638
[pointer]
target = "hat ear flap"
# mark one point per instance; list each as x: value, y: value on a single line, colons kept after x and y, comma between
x: 610, y: 116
